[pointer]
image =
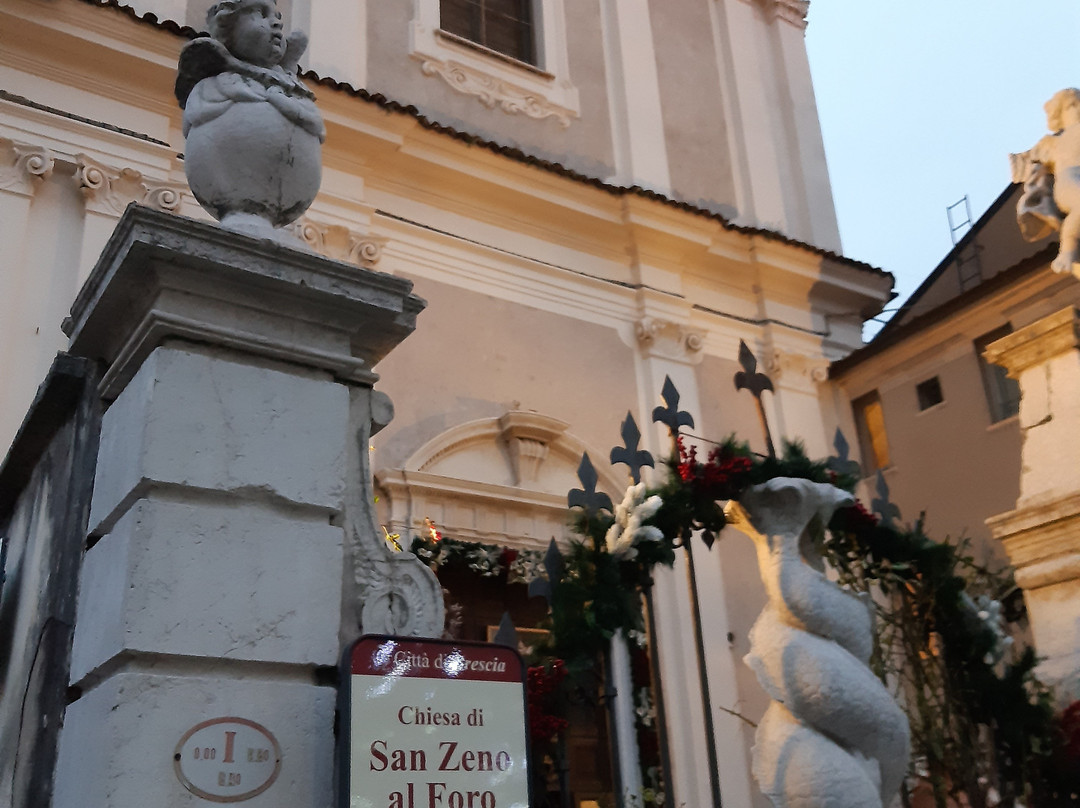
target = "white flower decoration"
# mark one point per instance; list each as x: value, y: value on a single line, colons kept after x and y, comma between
x: 623, y: 537
x: 988, y: 612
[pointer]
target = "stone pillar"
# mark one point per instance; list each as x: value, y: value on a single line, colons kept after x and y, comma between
x: 1042, y: 534
x: 231, y: 550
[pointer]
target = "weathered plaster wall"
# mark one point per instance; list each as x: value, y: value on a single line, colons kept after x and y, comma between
x: 951, y: 451
x: 494, y: 373
x: 45, y: 486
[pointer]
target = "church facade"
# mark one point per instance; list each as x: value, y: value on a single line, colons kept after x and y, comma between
x: 590, y: 196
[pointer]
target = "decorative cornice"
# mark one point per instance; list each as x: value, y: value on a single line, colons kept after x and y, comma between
x: 111, y: 190
x: 23, y: 167
x: 339, y: 242
x: 1037, y: 343
x: 493, y: 92
x: 1042, y: 540
x: 671, y: 340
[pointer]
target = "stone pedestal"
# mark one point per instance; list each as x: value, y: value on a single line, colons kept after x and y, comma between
x: 231, y: 549
x: 1042, y: 535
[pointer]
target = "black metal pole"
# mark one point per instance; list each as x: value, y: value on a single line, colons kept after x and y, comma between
x: 658, y: 696
x: 611, y: 695
x: 563, y: 768
x: 703, y: 675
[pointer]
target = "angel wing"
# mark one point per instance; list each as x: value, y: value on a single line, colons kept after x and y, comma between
x: 1036, y: 212
x: 295, y: 45
x: 200, y: 59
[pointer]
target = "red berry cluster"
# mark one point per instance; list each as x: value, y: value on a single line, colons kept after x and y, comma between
x: 719, y: 477
x: 542, y: 682
x: 858, y: 520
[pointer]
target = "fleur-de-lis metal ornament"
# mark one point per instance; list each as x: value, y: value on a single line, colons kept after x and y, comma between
x: 553, y: 566
x: 885, y: 509
x: 841, y: 464
x: 757, y: 383
x: 670, y: 415
x: 629, y: 453
x: 507, y: 633
x: 587, y: 497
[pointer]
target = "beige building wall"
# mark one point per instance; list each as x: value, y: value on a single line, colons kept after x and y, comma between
x: 951, y: 460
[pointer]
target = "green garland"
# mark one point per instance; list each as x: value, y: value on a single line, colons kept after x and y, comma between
x: 980, y: 721
x: 487, y: 561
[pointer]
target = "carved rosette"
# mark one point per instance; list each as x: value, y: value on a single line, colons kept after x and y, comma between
x: 23, y: 167
x: 493, y: 92
x: 385, y: 592
x: 339, y: 242
x: 670, y: 340
x: 832, y: 735
x: 110, y: 190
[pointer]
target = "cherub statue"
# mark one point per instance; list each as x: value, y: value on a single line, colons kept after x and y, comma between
x: 253, y: 155
x: 1051, y: 176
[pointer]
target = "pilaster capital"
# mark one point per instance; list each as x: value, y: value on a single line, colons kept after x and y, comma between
x: 24, y: 166
x: 339, y: 242
x: 670, y: 340
x: 790, y: 366
x: 109, y: 190
x: 793, y: 12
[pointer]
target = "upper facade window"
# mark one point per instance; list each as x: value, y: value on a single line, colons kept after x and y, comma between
x: 510, y: 55
x: 505, y: 26
x: 1002, y: 393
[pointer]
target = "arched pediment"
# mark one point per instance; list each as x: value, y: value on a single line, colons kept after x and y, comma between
x: 500, y: 480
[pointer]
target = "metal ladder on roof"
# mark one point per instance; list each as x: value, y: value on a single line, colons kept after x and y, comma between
x: 968, y: 263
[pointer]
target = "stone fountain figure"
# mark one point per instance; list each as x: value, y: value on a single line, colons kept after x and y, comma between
x: 1051, y: 175
x: 833, y: 737
x: 253, y: 156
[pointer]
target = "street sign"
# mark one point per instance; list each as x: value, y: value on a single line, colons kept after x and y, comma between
x: 433, y: 724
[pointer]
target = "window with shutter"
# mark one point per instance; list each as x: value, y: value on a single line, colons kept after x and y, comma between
x: 504, y: 26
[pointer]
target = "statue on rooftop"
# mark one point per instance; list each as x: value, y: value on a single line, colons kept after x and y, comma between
x: 253, y: 155
x: 1051, y: 175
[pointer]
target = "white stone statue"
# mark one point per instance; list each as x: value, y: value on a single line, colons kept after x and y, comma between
x: 832, y: 737
x: 253, y: 156
x: 1051, y: 176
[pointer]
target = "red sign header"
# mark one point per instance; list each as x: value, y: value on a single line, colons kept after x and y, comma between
x: 463, y: 662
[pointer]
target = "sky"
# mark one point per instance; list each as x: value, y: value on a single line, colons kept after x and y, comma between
x: 921, y: 102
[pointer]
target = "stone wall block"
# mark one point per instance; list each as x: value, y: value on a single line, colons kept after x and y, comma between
x: 1050, y: 405
x: 120, y: 738
x: 197, y: 420
x: 235, y: 581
